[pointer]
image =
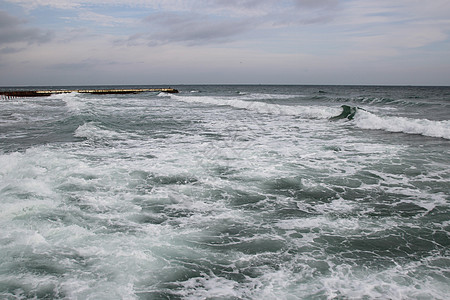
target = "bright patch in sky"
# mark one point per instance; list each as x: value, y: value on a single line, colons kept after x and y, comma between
x: 78, y: 42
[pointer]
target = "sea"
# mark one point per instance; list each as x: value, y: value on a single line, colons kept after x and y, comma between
x: 227, y: 192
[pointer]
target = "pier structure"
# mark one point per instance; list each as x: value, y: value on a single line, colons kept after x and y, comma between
x: 43, y: 93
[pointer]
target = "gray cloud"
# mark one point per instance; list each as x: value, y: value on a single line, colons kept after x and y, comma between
x: 242, y: 3
x: 323, y: 4
x: 194, y: 29
x: 226, y: 20
x: 271, y: 6
x: 8, y: 50
x: 12, y: 30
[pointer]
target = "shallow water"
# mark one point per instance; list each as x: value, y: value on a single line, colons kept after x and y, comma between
x: 226, y: 192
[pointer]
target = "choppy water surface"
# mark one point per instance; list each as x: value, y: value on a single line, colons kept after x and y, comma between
x: 226, y: 192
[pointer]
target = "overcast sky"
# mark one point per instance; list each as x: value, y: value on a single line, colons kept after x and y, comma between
x: 89, y: 42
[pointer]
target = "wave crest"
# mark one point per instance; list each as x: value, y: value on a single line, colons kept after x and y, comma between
x: 73, y: 101
x: 367, y: 120
x: 248, y: 102
x: 93, y: 131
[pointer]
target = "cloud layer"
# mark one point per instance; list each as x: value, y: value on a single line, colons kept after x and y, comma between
x: 237, y: 41
x: 13, y: 29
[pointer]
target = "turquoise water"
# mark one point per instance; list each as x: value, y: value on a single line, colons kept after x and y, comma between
x: 226, y: 192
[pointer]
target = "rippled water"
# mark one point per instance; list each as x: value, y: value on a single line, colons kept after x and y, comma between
x: 226, y: 192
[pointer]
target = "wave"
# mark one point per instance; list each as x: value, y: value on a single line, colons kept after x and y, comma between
x: 367, y: 120
x: 93, y: 131
x: 369, y: 100
x: 73, y: 101
x: 262, y: 96
x: 348, y: 112
x: 360, y: 117
x: 248, y: 102
x: 384, y: 101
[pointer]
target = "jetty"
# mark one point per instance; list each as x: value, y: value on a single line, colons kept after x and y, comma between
x: 43, y: 93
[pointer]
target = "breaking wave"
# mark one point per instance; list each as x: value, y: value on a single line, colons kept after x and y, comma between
x: 74, y: 102
x: 248, y: 102
x: 367, y: 120
x: 362, y: 118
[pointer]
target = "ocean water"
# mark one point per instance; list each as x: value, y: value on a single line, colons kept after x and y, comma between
x: 227, y: 192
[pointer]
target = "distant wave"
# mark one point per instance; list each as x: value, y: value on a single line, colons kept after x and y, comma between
x: 368, y: 100
x: 262, y: 96
x: 382, y: 101
x: 243, y: 102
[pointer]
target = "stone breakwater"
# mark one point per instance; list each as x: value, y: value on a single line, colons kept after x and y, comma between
x: 42, y: 93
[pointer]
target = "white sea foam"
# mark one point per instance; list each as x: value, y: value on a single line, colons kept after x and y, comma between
x: 367, y: 120
x: 93, y: 131
x: 249, y: 103
x: 210, y: 286
x: 260, y: 96
x: 390, y: 283
x: 363, y: 119
x: 163, y: 94
x: 74, y: 101
x: 26, y: 112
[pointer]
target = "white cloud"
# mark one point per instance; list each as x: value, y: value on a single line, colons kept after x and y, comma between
x: 103, y: 20
x: 33, y: 4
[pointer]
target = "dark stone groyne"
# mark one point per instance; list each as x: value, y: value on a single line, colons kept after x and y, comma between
x: 43, y: 93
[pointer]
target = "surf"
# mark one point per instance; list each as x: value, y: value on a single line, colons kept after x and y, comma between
x: 368, y: 120
x: 425, y: 127
x: 254, y: 103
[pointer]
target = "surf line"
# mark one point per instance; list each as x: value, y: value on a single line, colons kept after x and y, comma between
x: 43, y: 93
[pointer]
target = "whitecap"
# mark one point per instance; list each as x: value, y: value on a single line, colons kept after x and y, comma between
x: 73, y: 101
x: 249, y: 103
x: 367, y: 120
x: 163, y: 94
x: 93, y: 131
